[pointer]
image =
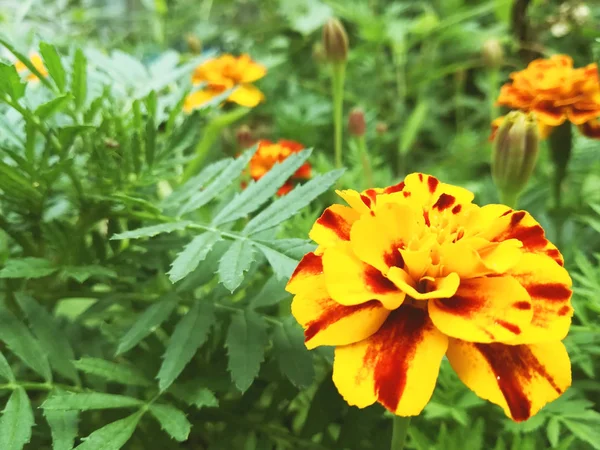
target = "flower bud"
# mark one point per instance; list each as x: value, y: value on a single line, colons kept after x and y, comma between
x: 193, y: 43
x: 493, y: 53
x: 515, y: 153
x: 381, y: 128
x: 356, y: 122
x: 244, y: 137
x: 335, y: 41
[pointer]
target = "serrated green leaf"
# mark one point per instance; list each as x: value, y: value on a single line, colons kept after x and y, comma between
x: 256, y: 194
x: 152, y: 230
x: 50, y: 336
x: 50, y: 108
x: 294, y: 360
x: 5, y: 370
x: 86, y: 401
x: 22, y: 343
x: 16, y: 422
x: 27, y: 268
x: 82, y: 273
x: 110, y: 371
x: 246, y: 342
x: 283, y: 266
x: 25, y: 60
x: 236, y: 260
x: 194, y: 394
x: 63, y: 426
x: 79, y: 78
x: 172, y: 421
x: 146, y: 323
x: 219, y: 184
x: 192, y: 254
x: 53, y: 64
x: 189, y: 335
x: 112, y: 436
x: 197, y: 183
x: 285, y: 207
x: 10, y: 82
x: 271, y: 293
x: 553, y: 431
x: 587, y: 432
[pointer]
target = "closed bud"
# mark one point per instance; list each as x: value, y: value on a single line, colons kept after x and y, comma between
x: 335, y: 41
x: 493, y: 53
x: 381, y: 128
x: 244, y: 137
x: 193, y: 43
x: 356, y: 122
x: 514, y: 154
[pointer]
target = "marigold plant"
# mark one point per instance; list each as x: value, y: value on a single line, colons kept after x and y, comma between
x: 268, y: 154
x: 416, y: 271
x: 556, y: 92
x: 223, y: 73
x: 37, y: 62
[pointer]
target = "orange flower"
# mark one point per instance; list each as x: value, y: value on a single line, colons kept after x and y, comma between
x: 269, y: 153
x: 555, y: 92
x: 37, y: 62
x: 223, y: 73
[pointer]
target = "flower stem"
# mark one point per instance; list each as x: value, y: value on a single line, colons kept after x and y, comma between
x: 509, y: 199
x: 366, y: 162
x: 493, y: 90
x: 560, y: 143
x: 399, y: 432
x: 337, y: 84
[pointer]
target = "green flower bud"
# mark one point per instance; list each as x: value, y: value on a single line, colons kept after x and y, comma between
x: 493, y: 53
x: 514, y: 154
x: 335, y: 41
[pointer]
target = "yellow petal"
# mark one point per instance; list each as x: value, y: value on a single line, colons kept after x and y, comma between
x: 397, y: 366
x: 309, y: 267
x: 521, y: 379
x: 334, y: 225
x: 549, y: 286
x: 352, y: 282
x: 489, y: 309
x: 246, y: 95
x: 442, y: 287
x: 250, y: 70
x: 357, y: 201
x: 376, y: 239
x: 198, y: 98
x: 427, y: 191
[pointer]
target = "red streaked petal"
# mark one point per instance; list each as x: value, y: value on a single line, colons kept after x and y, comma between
x: 309, y: 267
x: 334, y: 225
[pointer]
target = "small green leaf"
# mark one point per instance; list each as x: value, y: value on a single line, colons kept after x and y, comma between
x: 5, y: 370
x: 197, y: 183
x: 10, y: 82
x: 27, y: 268
x: 172, y: 420
x: 16, y: 422
x: 285, y: 207
x: 236, y: 260
x: 82, y: 273
x: 52, y: 107
x: 53, y: 64
x: 246, y: 342
x: 79, y: 78
x: 294, y: 360
x: 413, y: 125
x: 258, y: 193
x: 192, y: 254
x: 50, y: 336
x: 194, y: 394
x: 22, y: 343
x: 282, y: 265
x: 112, y: 436
x: 110, y: 371
x: 86, y: 401
x: 271, y: 293
x: 146, y: 323
x: 26, y: 61
x: 63, y: 426
x: 151, y: 128
x: 553, y: 431
x: 189, y: 335
x: 152, y: 230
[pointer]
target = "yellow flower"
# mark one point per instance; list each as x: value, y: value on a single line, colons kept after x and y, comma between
x: 223, y: 73
x: 556, y: 92
x: 416, y: 271
x: 37, y: 62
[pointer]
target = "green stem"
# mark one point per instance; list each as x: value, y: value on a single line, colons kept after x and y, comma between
x: 399, y: 432
x: 492, y: 91
x: 211, y: 133
x: 509, y: 199
x: 366, y: 163
x: 560, y: 144
x: 337, y: 84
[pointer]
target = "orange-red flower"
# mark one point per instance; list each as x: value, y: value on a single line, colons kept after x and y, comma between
x: 416, y: 271
x: 556, y: 92
x: 269, y: 154
x: 223, y: 73
x: 37, y: 62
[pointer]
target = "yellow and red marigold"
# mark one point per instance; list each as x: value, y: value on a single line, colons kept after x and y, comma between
x: 37, y: 62
x: 268, y: 154
x: 556, y: 92
x: 223, y: 73
x: 416, y: 271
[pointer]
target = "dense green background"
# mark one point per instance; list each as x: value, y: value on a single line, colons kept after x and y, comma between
x: 105, y: 337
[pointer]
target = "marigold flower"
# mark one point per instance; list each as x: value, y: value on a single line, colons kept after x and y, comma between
x: 269, y: 154
x: 416, y: 271
x: 37, y: 62
x: 223, y: 73
x: 555, y: 92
